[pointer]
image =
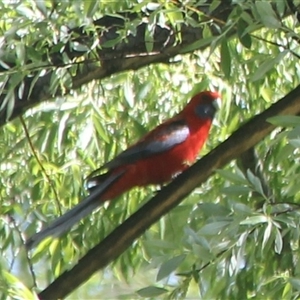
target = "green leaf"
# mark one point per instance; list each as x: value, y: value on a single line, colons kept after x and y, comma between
x: 128, y: 93
x: 254, y: 220
x: 174, y: 15
x: 196, y: 238
x: 211, y: 209
x: 255, y: 181
x: 287, y: 291
x: 90, y: 7
x: 236, y: 190
x: 151, y: 291
x: 295, y: 283
x: 206, y: 32
x: 213, y: 228
x: 295, y: 142
x: 267, y: 14
x: 100, y: 129
x: 112, y: 43
x: 267, y: 65
x: 21, y: 53
x: 18, y: 289
x: 243, y: 36
x: 225, y: 59
x: 285, y: 121
x: 61, y: 131
x: 267, y: 234
x: 198, y: 44
x: 79, y: 47
x: 278, y: 241
x: 214, y: 5
x: 9, y: 101
x: 233, y: 177
x: 149, y: 41
x: 169, y: 266
x: 242, y: 208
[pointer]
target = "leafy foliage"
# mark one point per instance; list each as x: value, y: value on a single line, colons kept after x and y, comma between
x: 234, y: 237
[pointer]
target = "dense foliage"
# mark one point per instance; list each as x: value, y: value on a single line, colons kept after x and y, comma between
x: 236, y: 236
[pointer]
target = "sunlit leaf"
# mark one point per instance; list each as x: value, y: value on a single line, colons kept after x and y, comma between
x: 18, y: 289
x: 90, y: 7
x: 267, y: 234
x: 129, y: 94
x: 278, y: 241
x: 254, y: 220
x: 287, y: 292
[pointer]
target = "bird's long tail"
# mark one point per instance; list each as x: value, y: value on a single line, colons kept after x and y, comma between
x: 66, y: 221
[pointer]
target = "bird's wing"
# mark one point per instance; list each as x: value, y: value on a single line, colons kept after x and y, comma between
x: 161, y: 139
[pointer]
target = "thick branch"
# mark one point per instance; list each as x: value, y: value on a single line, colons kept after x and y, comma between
x: 122, y: 237
x: 130, y: 53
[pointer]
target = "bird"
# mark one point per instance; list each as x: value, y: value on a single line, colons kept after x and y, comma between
x: 154, y: 159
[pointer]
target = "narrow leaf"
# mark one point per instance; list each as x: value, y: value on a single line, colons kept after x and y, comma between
x: 169, y: 266
x: 243, y: 36
x: 284, y: 121
x: 151, y: 291
x: 267, y: 234
x: 267, y: 14
x: 295, y: 143
x: 254, y: 220
x: 236, y: 190
x: 295, y: 283
x: 278, y: 241
x: 233, y: 177
x: 255, y: 181
x: 213, y: 228
x: 128, y: 93
x: 198, y: 44
x: 267, y: 66
x: 225, y: 59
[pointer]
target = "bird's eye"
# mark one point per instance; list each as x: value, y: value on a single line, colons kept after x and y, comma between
x: 206, y: 111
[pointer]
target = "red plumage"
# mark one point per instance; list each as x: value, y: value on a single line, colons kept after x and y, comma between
x: 155, y: 159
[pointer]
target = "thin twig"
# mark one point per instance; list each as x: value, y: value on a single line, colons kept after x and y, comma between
x: 40, y: 164
x: 276, y: 44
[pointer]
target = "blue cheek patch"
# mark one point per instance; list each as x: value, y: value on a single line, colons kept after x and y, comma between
x: 205, y: 111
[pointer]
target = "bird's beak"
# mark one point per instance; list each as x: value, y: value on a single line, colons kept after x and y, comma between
x: 217, y: 103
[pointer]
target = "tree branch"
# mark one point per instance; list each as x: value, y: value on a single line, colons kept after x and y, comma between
x: 130, y: 53
x: 122, y: 237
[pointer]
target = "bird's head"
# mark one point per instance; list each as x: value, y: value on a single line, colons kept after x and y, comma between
x: 205, y: 104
